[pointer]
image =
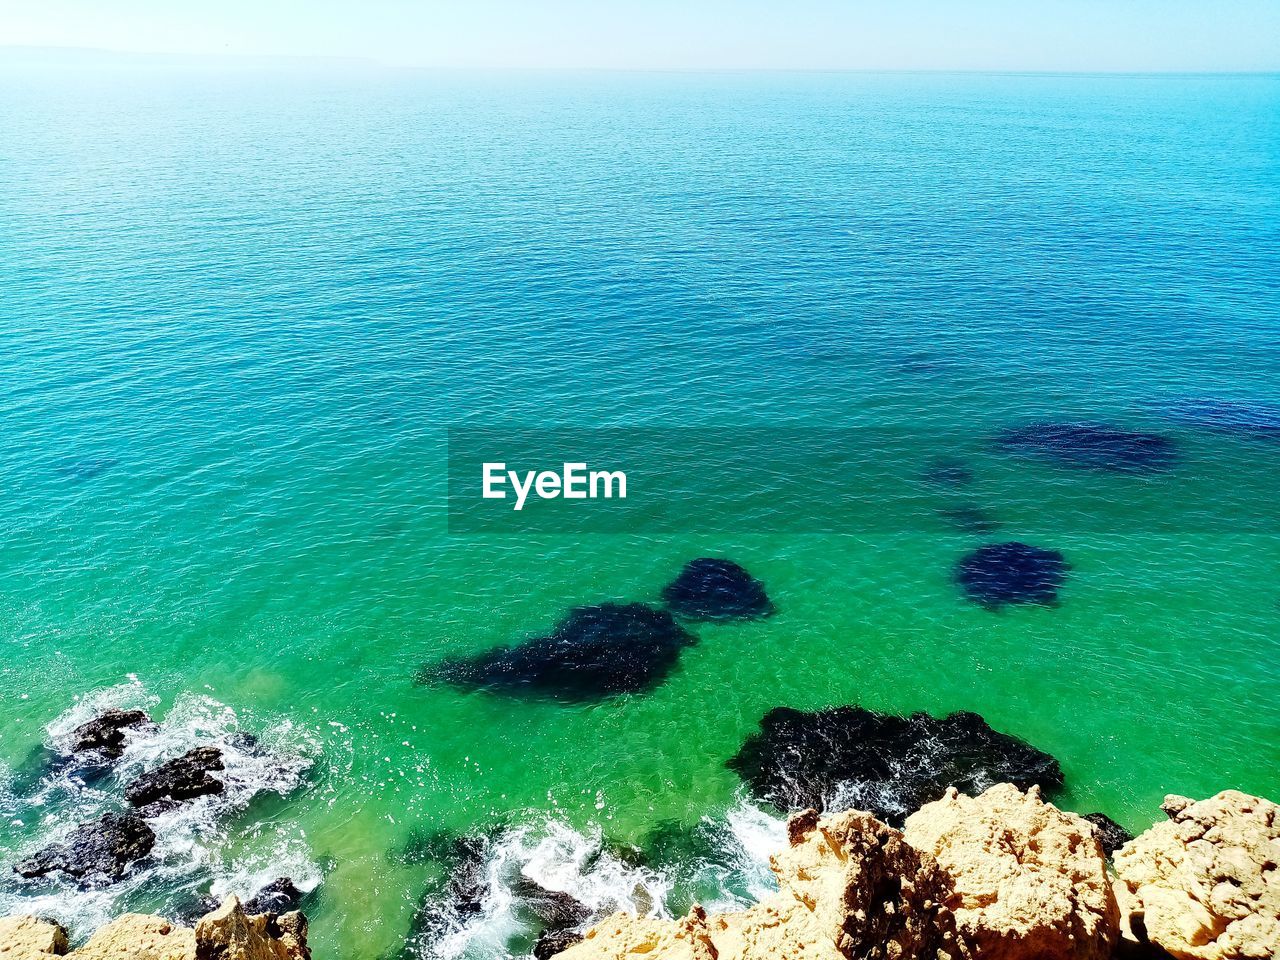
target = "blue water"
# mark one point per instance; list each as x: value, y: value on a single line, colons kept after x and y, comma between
x: 238, y: 311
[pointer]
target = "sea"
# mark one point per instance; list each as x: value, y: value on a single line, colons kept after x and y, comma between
x: 242, y: 312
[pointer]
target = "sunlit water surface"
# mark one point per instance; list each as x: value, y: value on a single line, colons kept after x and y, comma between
x: 237, y: 312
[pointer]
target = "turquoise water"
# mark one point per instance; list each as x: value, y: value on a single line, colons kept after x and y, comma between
x: 239, y: 311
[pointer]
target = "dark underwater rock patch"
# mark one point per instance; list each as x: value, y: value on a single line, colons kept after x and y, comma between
x: 447, y: 905
x: 1242, y: 418
x: 925, y: 363
x: 1091, y: 445
x: 86, y: 468
x: 882, y: 763
x: 95, y: 852
x: 711, y: 588
x: 594, y: 652
x: 183, y: 778
x: 1111, y: 835
x: 1004, y: 573
x: 554, y: 909
x: 106, y: 734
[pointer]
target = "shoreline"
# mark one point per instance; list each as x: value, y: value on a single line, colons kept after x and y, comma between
x: 1002, y: 875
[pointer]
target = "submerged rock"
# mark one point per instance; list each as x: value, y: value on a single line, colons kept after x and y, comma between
x: 1111, y: 835
x: 1003, y: 573
x: 447, y: 905
x: 183, y: 778
x: 1096, y: 446
x: 86, y: 468
x: 554, y: 909
x: 594, y: 652
x: 713, y: 589
x: 106, y: 734
x: 95, y: 852
x: 886, y: 764
x: 279, y: 896
x: 1205, y: 885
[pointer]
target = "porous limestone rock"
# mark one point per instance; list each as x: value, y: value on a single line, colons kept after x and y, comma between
x: 227, y: 933
x: 850, y: 887
x: 29, y: 938
x: 1030, y: 880
x: 230, y: 934
x: 867, y: 889
x: 1205, y: 884
x: 135, y: 936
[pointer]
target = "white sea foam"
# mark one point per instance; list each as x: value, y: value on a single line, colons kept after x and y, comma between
x: 199, y: 845
x: 557, y: 858
x: 754, y: 835
x: 561, y: 859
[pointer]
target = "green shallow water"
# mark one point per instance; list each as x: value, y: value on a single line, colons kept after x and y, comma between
x: 238, y: 319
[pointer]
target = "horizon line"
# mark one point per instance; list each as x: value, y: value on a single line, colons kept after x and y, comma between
x: 366, y: 62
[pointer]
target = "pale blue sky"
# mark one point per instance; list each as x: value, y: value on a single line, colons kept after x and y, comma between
x: 697, y: 34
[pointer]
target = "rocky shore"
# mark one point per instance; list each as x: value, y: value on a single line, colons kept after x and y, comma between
x: 1000, y: 876
x: 228, y: 933
x: 917, y: 838
x: 1004, y: 875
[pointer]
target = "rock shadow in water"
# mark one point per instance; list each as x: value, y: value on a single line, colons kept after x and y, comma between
x: 711, y: 588
x: 882, y: 763
x: 1091, y: 445
x: 593, y: 653
x: 1004, y: 573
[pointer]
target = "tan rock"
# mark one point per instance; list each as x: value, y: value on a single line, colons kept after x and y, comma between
x: 28, y: 938
x: 869, y: 891
x: 138, y: 937
x: 620, y: 936
x: 228, y: 933
x: 849, y: 887
x: 1205, y: 884
x: 1030, y: 880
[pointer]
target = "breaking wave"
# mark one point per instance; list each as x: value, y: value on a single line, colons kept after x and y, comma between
x: 202, y: 846
x: 488, y: 912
